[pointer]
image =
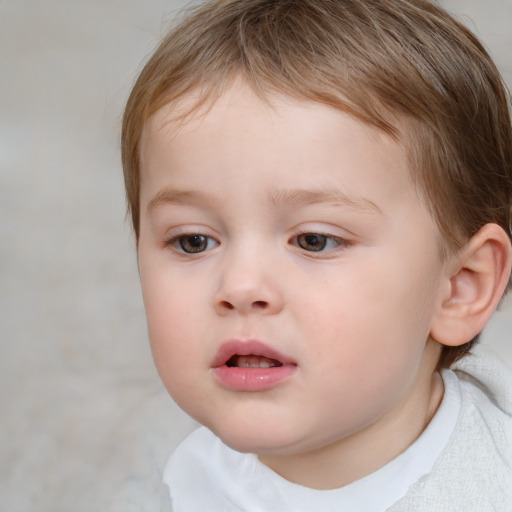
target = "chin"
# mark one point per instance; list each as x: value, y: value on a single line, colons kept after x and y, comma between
x: 260, y: 440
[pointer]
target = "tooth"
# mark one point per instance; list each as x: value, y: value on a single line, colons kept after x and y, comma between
x: 252, y: 361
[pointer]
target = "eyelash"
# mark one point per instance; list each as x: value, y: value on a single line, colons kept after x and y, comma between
x: 204, y: 242
x: 176, y: 242
x: 340, y: 242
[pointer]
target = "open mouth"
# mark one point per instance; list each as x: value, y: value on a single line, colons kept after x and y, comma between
x: 252, y: 361
x: 251, y: 366
x: 250, y: 354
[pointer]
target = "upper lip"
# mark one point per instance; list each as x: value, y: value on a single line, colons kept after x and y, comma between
x: 239, y: 347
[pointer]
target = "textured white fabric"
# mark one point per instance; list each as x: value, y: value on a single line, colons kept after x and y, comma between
x: 463, y: 461
x: 474, y: 472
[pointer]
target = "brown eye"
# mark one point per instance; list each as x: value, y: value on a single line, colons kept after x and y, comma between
x: 193, y: 243
x: 312, y: 242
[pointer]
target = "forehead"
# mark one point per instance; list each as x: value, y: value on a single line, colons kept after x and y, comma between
x: 282, y: 140
x: 238, y: 111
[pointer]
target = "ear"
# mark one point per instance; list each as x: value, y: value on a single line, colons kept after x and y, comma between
x: 475, y: 282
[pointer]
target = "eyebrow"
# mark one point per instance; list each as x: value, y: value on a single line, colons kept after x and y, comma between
x: 178, y: 197
x: 277, y: 198
x: 331, y: 196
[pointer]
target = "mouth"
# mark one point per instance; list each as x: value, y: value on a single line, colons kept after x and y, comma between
x: 249, y: 354
x: 251, y: 366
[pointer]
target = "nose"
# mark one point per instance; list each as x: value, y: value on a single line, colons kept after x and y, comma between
x: 248, y: 286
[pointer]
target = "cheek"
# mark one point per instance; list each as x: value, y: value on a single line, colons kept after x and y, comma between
x: 175, y: 332
x: 167, y: 309
x: 171, y: 312
x: 168, y: 296
x: 363, y: 361
x: 374, y: 321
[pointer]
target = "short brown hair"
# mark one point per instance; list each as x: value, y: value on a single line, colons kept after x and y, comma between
x: 405, y: 66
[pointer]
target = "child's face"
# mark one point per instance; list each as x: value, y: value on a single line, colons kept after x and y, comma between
x: 289, y: 236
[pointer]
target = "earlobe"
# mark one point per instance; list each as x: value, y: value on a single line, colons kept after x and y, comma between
x: 477, y: 279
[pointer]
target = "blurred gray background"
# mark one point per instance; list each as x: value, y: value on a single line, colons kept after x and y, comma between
x: 85, y: 424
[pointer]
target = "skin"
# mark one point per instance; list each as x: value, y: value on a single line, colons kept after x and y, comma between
x: 355, y: 316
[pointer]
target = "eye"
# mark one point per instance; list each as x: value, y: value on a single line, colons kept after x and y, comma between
x: 316, y: 242
x: 192, y: 243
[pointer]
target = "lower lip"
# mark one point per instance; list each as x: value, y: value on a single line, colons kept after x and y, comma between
x: 252, y: 379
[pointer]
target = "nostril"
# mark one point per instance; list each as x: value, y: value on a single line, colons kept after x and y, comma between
x: 243, y: 305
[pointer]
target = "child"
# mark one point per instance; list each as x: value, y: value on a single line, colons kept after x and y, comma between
x: 320, y: 192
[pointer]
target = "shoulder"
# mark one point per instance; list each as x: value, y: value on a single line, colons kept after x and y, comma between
x: 195, y: 443
x: 474, y: 471
x: 486, y: 379
x: 200, y: 449
x: 202, y: 461
x: 482, y: 441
